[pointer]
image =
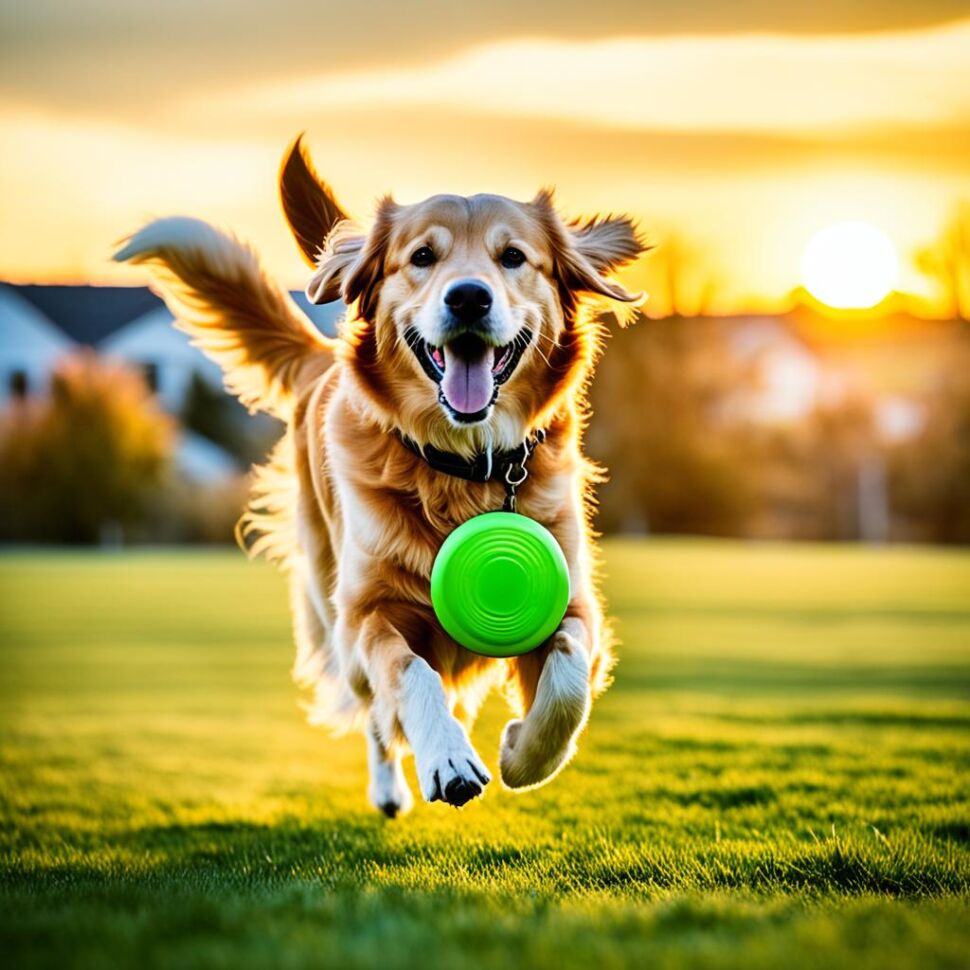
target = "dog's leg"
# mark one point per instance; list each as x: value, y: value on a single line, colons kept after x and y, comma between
x: 408, y: 696
x: 388, y: 791
x: 535, y: 748
x: 448, y: 766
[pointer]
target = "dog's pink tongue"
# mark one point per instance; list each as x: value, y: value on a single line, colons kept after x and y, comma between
x: 467, y: 382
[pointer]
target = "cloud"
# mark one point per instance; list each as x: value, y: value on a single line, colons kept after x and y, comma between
x: 113, y: 56
x: 749, y: 83
x: 745, y: 143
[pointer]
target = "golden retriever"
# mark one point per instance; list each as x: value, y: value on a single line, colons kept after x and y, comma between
x: 469, y: 331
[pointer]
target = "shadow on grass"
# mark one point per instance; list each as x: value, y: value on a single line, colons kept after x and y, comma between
x: 356, y: 855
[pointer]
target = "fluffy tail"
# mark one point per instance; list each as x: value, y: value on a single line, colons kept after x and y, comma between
x: 222, y: 298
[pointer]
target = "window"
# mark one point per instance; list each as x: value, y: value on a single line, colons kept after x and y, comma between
x: 18, y: 384
x: 149, y: 371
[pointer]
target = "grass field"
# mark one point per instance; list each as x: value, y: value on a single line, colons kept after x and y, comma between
x: 778, y: 778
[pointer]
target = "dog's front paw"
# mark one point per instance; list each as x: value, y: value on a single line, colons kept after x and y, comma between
x: 454, y: 774
x: 535, y: 749
x: 525, y: 766
x: 514, y: 771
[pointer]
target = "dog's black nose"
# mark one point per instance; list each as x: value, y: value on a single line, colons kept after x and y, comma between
x: 468, y: 300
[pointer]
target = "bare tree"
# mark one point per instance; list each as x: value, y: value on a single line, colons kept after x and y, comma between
x: 679, y: 279
x: 947, y: 262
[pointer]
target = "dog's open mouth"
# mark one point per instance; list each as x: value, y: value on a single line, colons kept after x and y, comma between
x: 468, y: 371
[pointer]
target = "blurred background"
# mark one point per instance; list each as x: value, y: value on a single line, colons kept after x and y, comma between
x: 778, y: 776
x: 801, y: 369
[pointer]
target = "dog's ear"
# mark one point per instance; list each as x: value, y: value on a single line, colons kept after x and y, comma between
x: 351, y: 267
x: 340, y: 252
x: 308, y: 202
x: 364, y: 276
x: 583, y: 252
x: 607, y: 242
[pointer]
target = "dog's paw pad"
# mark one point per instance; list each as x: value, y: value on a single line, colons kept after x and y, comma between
x: 461, y: 790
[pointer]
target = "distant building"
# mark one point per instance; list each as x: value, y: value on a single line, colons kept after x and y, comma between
x: 787, y: 378
x: 30, y: 346
x: 40, y: 325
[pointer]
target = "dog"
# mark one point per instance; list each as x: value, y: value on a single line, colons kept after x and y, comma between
x: 470, y: 335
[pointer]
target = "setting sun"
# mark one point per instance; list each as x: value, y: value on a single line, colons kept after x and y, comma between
x: 850, y: 265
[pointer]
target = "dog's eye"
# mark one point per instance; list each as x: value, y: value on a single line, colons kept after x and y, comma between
x: 512, y: 258
x: 423, y: 256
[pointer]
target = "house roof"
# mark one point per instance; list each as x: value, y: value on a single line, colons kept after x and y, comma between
x: 24, y: 330
x: 89, y: 314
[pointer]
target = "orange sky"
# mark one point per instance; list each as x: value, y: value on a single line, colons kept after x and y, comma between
x: 739, y: 142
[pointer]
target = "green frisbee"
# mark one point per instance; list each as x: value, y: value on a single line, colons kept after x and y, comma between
x: 500, y: 584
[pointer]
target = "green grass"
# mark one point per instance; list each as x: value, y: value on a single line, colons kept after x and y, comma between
x: 778, y: 778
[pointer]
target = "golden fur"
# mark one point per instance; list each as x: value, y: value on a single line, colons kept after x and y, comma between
x: 355, y: 517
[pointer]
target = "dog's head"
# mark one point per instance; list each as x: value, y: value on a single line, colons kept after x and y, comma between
x: 464, y: 322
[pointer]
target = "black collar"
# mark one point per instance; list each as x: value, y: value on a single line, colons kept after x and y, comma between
x: 497, y: 466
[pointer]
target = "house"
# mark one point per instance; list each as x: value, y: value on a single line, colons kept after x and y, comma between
x: 788, y: 380
x: 39, y: 325
x: 163, y: 354
x: 128, y: 323
x: 30, y: 346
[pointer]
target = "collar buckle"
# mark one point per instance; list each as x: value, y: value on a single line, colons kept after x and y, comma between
x: 515, y: 474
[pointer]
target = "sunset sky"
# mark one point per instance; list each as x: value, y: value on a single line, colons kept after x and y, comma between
x: 740, y: 129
